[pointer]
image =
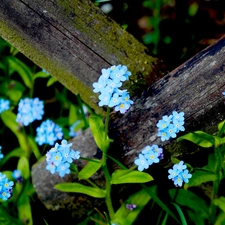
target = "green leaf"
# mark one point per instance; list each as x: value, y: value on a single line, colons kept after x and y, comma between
x: 7, y: 219
x: 34, y: 147
x: 129, y: 176
x: 73, y: 115
x: 193, y: 9
x: 152, y: 193
x: 199, y: 177
x: 182, y: 217
x: 15, y: 65
x: 13, y: 51
x: 23, y: 166
x: 98, y: 131
x: 40, y: 75
x: 17, y: 152
x: 24, y: 209
x: 89, y: 169
x: 199, y: 138
x: 9, y: 119
x: 51, y: 81
x: 220, y: 202
x: 127, y: 217
x: 80, y: 188
x: 190, y: 200
x: 74, y: 168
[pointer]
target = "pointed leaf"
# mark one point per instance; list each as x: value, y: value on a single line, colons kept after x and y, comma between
x: 199, y: 138
x: 40, y: 74
x: 127, y: 217
x: 89, y: 169
x: 24, y: 209
x: 51, y: 81
x: 34, y: 147
x: 80, y: 188
x: 23, y: 166
x: 9, y: 119
x: 220, y: 202
x: 199, y: 177
x: 15, y: 65
x: 129, y: 176
x: 98, y: 132
x: 17, y: 152
x: 190, y: 200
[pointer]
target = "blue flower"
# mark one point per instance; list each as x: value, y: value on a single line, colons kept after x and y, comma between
x: 179, y: 174
x: 152, y: 157
x: 29, y: 110
x: 108, y: 85
x: 4, y: 105
x: 73, y: 129
x: 169, y: 126
x: 141, y: 162
x: 1, y: 155
x: 164, y: 134
x: 148, y: 156
x: 59, y: 158
x: 63, y: 169
x: 17, y: 175
x: 5, y: 187
x: 48, y: 133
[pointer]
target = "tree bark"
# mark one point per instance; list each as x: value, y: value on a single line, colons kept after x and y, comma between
x: 194, y: 88
x: 73, y: 40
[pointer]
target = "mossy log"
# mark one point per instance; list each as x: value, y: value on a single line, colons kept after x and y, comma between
x: 194, y: 88
x: 73, y: 40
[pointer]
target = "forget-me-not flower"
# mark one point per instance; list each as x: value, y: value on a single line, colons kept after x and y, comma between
x: 5, y: 187
x: 59, y: 158
x: 170, y: 125
x: 29, y: 110
x: 108, y: 85
x: 148, y: 156
x: 48, y: 133
x: 4, y: 105
x: 179, y: 174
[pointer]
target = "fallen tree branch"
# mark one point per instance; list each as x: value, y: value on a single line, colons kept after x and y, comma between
x: 194, y: 88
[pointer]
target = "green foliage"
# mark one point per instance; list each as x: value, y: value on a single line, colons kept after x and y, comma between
x: 127, y: 217
x: 201, y: 176
x: 98, y: 131
x: 80, y: 188
x: 130, y: 176
x: 91, y: 168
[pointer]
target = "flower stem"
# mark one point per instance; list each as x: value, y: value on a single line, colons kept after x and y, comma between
x: 108, y: 200
x: 216, y: 183
x: 107, y: 121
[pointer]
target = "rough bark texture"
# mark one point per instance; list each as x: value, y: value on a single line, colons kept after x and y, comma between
x: 73, y: 40
x: 194, y: 88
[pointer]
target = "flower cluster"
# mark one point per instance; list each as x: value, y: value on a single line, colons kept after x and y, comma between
x: 73, y: 132
x: 4, y: 105
x: 29, y: 110
x: 17, y: 175
x: 169, y: 126
x: 5, y: 187
x: 148, y: 156
x: 59, y: 158
x: 108, y: 85
x: 179, y: 173
x: 48, y: 133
